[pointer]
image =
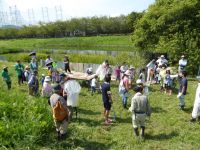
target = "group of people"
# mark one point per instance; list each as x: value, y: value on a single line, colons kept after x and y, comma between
x: 61, y: 91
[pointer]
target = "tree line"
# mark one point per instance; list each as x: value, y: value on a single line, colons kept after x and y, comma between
x: 75, y: 27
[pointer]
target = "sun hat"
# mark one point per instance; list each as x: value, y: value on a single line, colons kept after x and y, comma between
x: 4, y: 67
x: 32, y: 53
x: 183, y: 56
x: 162, y: 56
x: 27, y: 67
x: 127, y: 73
x: 47, y: 79
x: 49, y: 63
x: 139, y: 81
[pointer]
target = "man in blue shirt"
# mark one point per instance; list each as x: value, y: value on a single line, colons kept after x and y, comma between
x: 107, y: 100
x: 182, y: 90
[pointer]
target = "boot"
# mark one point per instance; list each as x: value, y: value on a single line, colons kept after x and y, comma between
x: 142, y: 133
x: 136, y: 132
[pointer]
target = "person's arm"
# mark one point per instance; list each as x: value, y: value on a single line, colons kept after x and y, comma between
x: 131, y: 109
x: 126, y: 85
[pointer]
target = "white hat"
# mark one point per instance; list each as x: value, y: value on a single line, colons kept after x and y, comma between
x: 127, y: 73
x: 47, y: 79
x: 162, y: 56
x: 131, y: 67
x: 139, y: 81
x: 183, y: 56
x: 43, y: 75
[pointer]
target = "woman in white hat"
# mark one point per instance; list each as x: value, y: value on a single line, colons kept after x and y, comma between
x: 124, y: 88
x: 47, y: 89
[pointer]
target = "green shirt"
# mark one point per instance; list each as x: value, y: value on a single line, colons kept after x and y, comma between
x: 6, y: 76
x: 19, y: 68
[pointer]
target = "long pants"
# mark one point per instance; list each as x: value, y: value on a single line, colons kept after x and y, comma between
x: 8, y: 85
x: 61, y: 126
x: 182, y: 100
x: 124, y: 100
x: 20, y: 80
x: 196, y: 110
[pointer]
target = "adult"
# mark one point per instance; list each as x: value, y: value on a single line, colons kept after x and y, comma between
x: 117, y: 73
x: 140, y: 109
x: 182, y: 89
x: 33, y: 55
x: 33, y: 84
x: 107, y: 99
x: 142, y: 75
x: 48, y: 60
x: 20, y: 72
x: 102, y: 70
x: 61, y: 121
x: 196, y: 108
x: 33, y: 65
x: 123, y: 68
x: 124, y: 88
x: 150, y: 70
x: 67, y: 64
x: 6, y: 77
x: 182, y: 63
x: 162, y: 61
x: 168, y: 81
x: 47, y: 88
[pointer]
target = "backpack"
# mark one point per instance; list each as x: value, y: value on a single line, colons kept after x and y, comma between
x: 59, y: 112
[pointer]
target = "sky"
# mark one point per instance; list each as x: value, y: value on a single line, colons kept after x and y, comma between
x: 76, y: 8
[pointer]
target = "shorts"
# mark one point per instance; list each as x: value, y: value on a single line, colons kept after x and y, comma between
x: 107, y: 106
x: 138, y: 120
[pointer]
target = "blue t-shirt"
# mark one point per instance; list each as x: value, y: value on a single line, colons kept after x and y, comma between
x: 183, y: 83
x: 105, y: 89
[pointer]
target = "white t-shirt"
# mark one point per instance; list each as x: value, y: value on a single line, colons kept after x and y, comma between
x: 161, y: 61
x: 93, y: 82
x: 182, y: 62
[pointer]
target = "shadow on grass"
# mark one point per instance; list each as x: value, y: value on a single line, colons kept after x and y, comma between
x: 88, y: 122
x: 158, y: 110
x: 85, y: 144
x: 188, y: 110
x: 161, y: 136
x: 87, y: 112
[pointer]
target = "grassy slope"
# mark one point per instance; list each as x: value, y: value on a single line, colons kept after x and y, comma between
x: 77, y: 43
x: 26, y: 122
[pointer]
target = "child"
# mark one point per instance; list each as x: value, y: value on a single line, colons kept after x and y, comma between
x: 107, y: 100
x: 168, y: 82
x: 117, y: 73
x: 27, y: 73
x: 94, y: 84
x: 46, y: 88
x: 6, y: 77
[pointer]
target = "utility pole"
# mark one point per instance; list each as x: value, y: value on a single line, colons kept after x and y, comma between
x: 45, y: 14
x: 31, y: 16
x: 59, y: 13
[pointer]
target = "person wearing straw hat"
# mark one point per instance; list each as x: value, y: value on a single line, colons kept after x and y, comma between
x: 140, y: 109
x: 182, y: 63
x: 196, y: 108
x: 162, y: 61
x: 60, y: 123
x: 46, y: 88
x: 6, y: 77
x: 124, y: 88
x: 33, y: 65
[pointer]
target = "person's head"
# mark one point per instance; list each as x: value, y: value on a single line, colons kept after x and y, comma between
x: 183, y: 57
x: 162, y: 57
x: 47, y: 79
x: 168, y: 71
x: 107, y: 78
x: 48, y: 56
x: 35, y: 72
x: 57, y: 88
x: 183, y: 74
x: 127, y: 73
x: 5, y: 68
x: 96, y: 76
x: 138, y: 88
x: 18, y: 61
x: 27, y: 68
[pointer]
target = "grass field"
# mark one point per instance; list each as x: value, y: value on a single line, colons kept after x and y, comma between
x: 26, y: 122
x: 117, y: 43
